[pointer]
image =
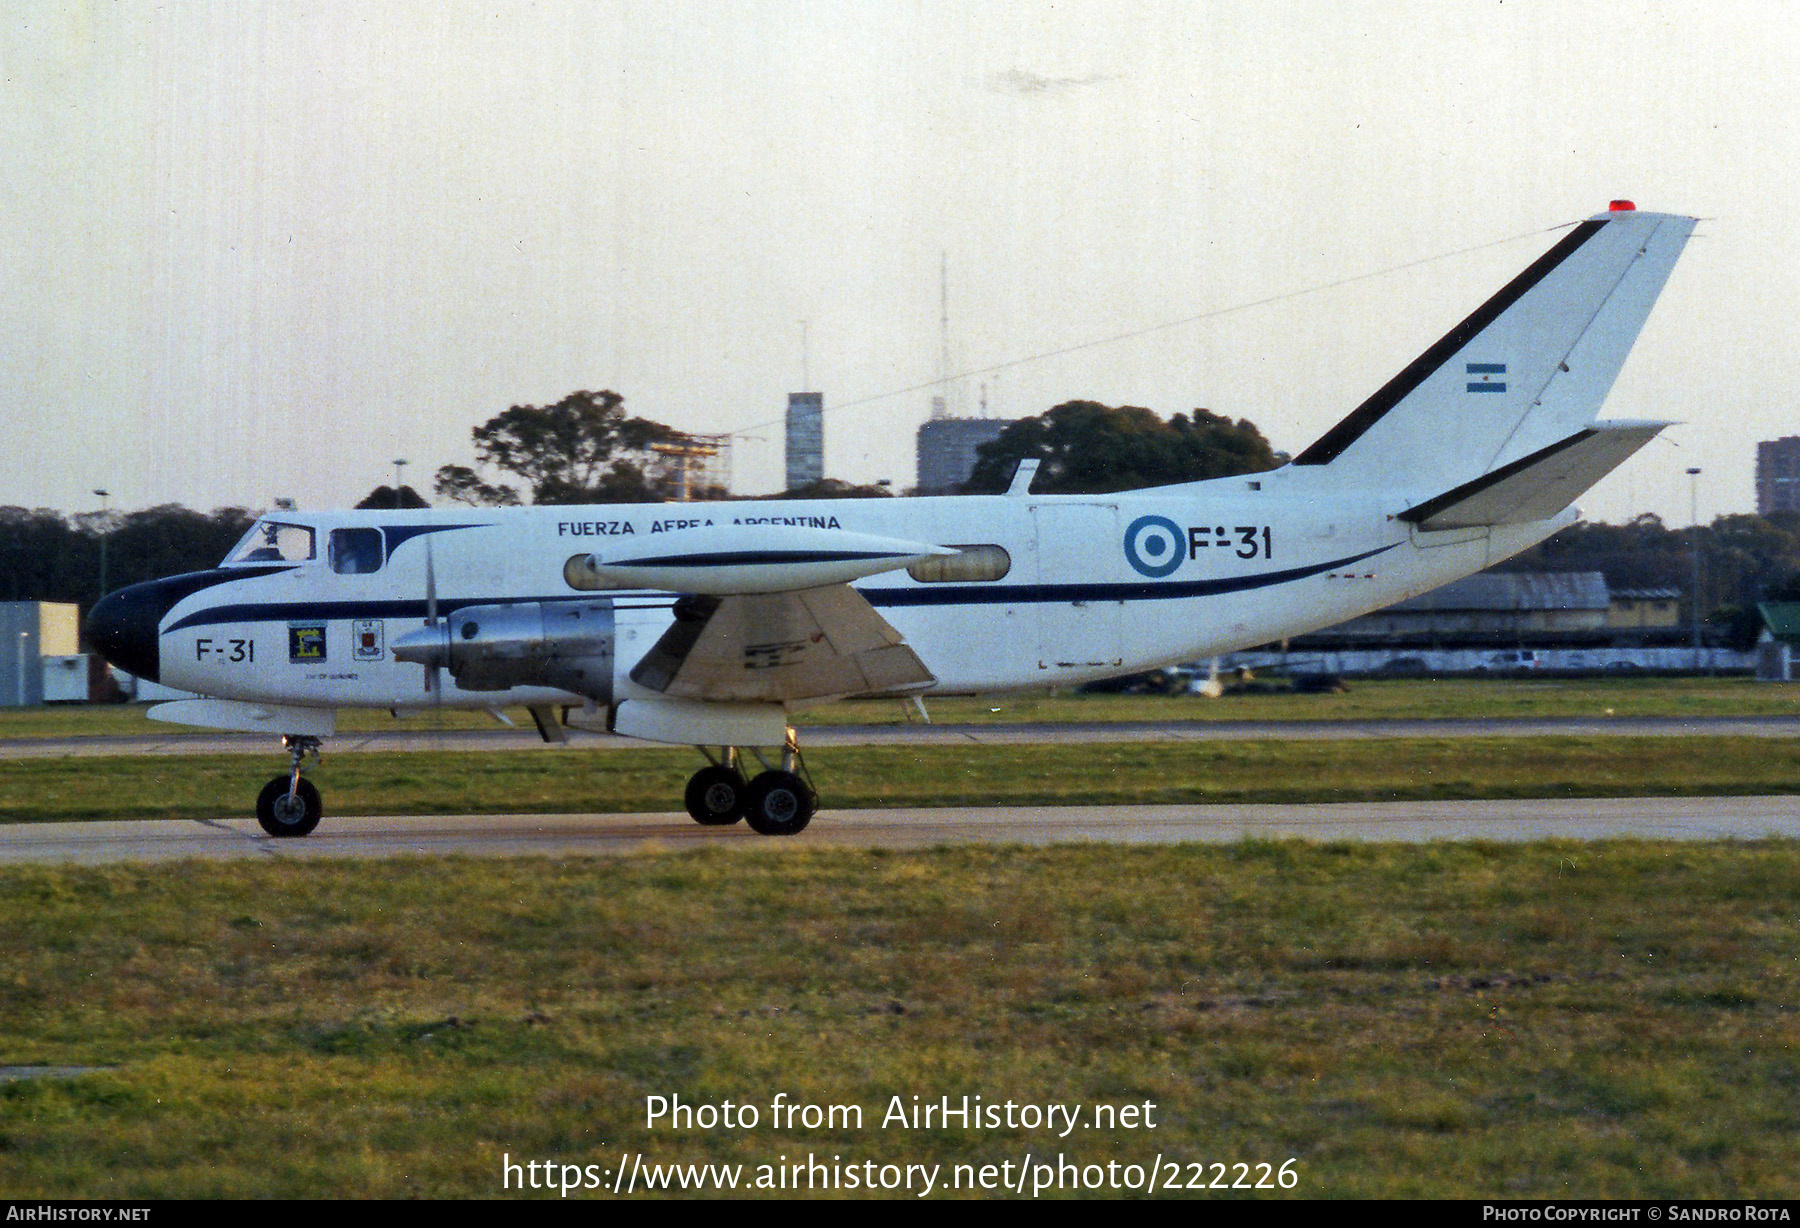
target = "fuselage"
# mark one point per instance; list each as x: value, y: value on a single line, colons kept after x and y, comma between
x: 1053, y: 590
x: 708, y: 624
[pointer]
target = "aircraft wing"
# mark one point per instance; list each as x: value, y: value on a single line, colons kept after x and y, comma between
x: 1538, y: 486
x: 769, y: 614
x: 811, y: 643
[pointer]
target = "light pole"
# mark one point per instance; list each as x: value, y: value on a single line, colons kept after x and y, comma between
x: 105, y: 532
x: 400, y: 463
x: 1694, y: 543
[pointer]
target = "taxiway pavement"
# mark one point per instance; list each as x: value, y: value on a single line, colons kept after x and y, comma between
x: 412, y: 740
x: 1677, y: 818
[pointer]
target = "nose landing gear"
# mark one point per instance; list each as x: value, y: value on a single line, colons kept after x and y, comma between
x: 776, y: 802
x: 289, y: 805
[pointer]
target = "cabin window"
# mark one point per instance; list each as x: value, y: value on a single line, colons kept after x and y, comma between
x: 971, y: 564
x: 355, y: 552
x: 270, y: 541
x: 579, y: 573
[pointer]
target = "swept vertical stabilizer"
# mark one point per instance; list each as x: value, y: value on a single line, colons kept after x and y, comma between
x: 1527, y: 369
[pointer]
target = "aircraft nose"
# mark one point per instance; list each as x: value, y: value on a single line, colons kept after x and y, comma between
x: 122, y: 626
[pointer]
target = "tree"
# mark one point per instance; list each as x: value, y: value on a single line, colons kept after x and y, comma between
x: 47, y: 557
x: 582, y: 449
x: 832, y: 488
x: 387, y: 497
x: 461, y: 484
x: 1787, y: 588
x: 1743, y: 559
x: 1089, y: 448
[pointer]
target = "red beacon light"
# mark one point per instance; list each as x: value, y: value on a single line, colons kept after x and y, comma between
x: 1620, y: 206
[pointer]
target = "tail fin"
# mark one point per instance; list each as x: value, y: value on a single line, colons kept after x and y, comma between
x: 1525, y: 372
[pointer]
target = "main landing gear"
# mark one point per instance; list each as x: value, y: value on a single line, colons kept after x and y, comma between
x: 775, y: 802
x: 289, y: 805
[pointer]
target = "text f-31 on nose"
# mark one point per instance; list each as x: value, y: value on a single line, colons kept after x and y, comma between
x: 1247, y: 541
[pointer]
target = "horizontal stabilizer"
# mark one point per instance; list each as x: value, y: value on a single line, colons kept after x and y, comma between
x: 1538, y: 486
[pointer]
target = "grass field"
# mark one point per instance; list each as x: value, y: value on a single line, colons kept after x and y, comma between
x: 1541, y: 1020
x: 1366, y: 700
x: 1450, y: 1020
x: 562, y: 780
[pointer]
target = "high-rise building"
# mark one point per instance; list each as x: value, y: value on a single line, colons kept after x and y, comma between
x: 947, y: 451
x: 805, y: 439
x: 1778, y: 475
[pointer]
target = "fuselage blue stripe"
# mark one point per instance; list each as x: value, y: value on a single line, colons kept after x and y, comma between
x: 738, y: 558
x: 1142, y: 590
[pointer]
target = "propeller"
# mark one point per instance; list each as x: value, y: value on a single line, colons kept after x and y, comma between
x: 434, y: 664
x: 434, y: 677
x: 428, y: 646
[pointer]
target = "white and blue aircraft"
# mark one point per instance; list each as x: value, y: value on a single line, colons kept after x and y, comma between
x: 710, y: 624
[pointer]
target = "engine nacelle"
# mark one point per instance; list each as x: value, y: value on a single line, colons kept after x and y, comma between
x: 729, y: 560
x: 563, y: 644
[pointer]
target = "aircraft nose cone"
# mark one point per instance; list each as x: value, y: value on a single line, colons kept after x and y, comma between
x: 122, y: 627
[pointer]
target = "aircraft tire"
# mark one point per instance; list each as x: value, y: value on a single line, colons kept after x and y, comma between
x: 715, y: 796
x: 283, y: 818
x: 778, y: 803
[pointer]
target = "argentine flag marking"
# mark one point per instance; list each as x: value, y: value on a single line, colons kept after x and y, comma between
x: 1485, y: 369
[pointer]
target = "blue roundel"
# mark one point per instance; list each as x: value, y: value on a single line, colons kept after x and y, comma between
x: 1153, y: 546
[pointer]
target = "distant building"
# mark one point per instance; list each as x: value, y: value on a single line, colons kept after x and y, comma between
x: 30, y: 632
x: 1778, y: 648
x: 1514, y: 621
x: 805, y: 438
x: 1641, y: 608
x: 1487, y: 609
x: 947, y: 451
x: 1778, y: 475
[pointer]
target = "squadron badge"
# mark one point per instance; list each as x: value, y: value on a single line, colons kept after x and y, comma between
x: 366, y: 639
x: 306, y: 643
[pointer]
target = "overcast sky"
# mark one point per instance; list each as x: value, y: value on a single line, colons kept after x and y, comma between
x: 257, y: 250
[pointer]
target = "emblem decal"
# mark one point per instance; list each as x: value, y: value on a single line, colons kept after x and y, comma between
x: 306, y: 643
x: 366, y: 640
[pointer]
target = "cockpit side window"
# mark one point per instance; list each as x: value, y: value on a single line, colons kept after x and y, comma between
x: 271, y: 541
x: 355, y: 552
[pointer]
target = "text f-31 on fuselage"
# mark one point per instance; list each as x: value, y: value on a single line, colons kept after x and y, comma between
x: 712, y: 627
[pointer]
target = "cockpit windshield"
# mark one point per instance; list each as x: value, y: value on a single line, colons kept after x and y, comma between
x: 271, y: 541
